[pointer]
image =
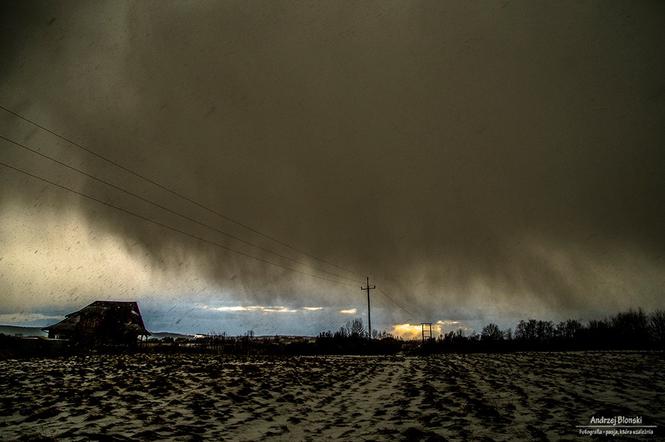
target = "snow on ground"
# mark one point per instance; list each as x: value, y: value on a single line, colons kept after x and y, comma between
x: 521, y: 396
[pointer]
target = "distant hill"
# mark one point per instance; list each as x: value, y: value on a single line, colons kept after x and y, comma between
x: 162, y: 335
x: 15, y: 330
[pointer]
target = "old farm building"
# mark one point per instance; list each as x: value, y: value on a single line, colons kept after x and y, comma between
x: 102, y: 322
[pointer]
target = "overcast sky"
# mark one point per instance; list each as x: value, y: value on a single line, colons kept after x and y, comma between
x: 490, y: 160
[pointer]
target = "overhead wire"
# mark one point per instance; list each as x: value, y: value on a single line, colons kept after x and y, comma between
x: 183, y: 197
x: 144, y: 218
x: 173, y: 192
x: 162, y: 207
x: 400, y: 306
x: 165, y: 226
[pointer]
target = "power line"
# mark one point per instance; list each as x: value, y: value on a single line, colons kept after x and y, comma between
x: 386, y: 295
x: 166, y: 226
x: 121, y: 189
x: 186, y: 198
x: 396, y: 303
x: 173, y: 192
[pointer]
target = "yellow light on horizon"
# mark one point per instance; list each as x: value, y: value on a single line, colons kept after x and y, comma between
x: 414, y: 331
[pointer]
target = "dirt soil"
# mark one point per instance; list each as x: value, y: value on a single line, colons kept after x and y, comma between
x: 520, y: 396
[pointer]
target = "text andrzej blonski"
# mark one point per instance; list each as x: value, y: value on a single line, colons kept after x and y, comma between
x: 616, y: 426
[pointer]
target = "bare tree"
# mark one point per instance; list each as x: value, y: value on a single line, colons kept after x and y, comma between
x: 354, y: 328
x: 568, y: 329
x: 657, y: 326
x: 491, y: 332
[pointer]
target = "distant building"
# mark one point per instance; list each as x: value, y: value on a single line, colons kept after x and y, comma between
x: 102, y: 322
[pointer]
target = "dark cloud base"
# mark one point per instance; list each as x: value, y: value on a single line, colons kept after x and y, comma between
x: 436, y: 146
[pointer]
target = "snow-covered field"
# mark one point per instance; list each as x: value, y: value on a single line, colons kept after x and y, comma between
x: 521, y: 396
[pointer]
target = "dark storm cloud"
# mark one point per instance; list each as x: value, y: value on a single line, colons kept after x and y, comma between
x: 445, y: 147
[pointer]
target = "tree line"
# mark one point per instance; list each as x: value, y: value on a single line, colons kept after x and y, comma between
x: 630, y: 330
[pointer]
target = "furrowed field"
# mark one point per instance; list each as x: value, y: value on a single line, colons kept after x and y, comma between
x: 455, y: 396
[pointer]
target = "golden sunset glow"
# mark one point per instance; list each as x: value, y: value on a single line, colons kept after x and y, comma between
x: 414, y: 331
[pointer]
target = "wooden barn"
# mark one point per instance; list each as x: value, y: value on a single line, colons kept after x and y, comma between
x: 102, y: 322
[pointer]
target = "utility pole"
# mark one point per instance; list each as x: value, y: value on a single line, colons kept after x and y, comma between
x: 369, y: 315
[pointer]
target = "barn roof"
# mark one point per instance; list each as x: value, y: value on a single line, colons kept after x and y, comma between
x: 126, y: 313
